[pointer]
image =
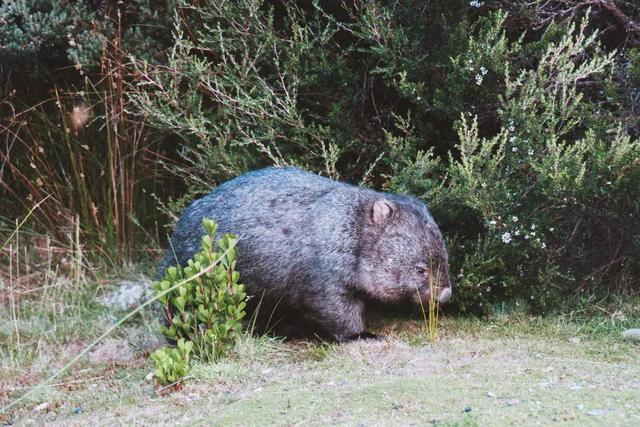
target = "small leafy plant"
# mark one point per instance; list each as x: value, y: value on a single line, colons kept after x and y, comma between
x: 204, y: 311
x: 172, y: 364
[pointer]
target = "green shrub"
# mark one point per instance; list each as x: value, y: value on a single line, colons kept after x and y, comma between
x: 43, y: 39
x: 255, y: 83
x: 172, y: 364
x: 206, y: 310
x: 547, y: 208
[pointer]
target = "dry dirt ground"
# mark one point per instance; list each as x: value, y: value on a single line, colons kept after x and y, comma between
x: 506, y: 371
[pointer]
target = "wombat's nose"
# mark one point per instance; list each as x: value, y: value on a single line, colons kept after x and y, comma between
x: 444, y: 295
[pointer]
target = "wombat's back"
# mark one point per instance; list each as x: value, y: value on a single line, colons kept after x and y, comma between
x: 286, y: 220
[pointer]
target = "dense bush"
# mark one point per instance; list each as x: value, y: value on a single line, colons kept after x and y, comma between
x: 255, y: 83
x: 535, y: 188
x: 44, y: 42
x: 552, y: 195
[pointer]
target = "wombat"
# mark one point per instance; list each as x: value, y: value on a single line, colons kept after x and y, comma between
x: 318, y: 249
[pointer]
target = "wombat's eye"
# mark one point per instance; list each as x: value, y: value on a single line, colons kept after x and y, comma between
x: 421, y: 269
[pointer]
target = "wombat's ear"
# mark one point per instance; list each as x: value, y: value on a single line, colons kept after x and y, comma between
x: 381, y: 211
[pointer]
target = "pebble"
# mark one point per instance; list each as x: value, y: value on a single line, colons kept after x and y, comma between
x: 513, y: 402
x: 43, y: 407
x: 127, y: 295
x: 111, y: 351
x: 631, y: 334
x: 596, y: 412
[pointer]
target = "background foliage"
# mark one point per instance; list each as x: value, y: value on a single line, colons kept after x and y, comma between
x: 516, y: 122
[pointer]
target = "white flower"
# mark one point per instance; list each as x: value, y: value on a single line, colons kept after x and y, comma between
x: 543, y: 245
x: 517, y: 232
x: 418, y: 98
x: 506, y: 237
x: 476, y: 3
x: 551, y: 229
x: 512, y: 139
x: 533, y: 226
x: 492, y: 222
x: 514, y: 149
x: 530, y: 151
x: 483, y: 71
x: 479, y: 79
x: 514, y: 218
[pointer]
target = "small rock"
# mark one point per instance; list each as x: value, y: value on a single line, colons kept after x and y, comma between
x: 43, y: 407
x: 111, y: 351
x: 128, y: 294
x: 596, y: 412
x: 467, y: 409
x: 491, y: 394
x: 631, y: 334
x: 185, y: 399
x: 513, y: 402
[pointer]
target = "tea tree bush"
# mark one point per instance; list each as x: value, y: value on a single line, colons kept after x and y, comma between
x: 552, y: 196
x: 205, y: 313
x: 256, y: 83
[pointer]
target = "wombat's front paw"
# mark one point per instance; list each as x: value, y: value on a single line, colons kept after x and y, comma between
x: 361, y: 336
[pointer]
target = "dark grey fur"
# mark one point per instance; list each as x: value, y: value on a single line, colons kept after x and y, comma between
x: 320, y: 249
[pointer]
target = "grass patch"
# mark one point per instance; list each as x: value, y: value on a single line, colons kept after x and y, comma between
x: 555, y: 368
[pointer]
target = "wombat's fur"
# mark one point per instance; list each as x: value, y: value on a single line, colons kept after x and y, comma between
x: 319, y: 249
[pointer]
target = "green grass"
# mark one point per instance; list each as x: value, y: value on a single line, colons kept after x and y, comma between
x: 507, y: 369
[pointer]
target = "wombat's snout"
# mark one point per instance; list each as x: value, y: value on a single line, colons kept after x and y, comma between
x: 444, y: 295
